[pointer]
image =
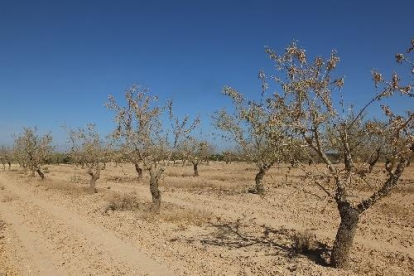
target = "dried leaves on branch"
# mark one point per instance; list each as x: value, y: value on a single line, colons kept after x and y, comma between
x: 142, y: 135
x: 253, y: 128
x: 307, y: 105
x: 32, y: 150
x: 88, y: 149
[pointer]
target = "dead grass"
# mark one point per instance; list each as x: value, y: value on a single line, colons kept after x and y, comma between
x: 8, y: 198
x: 122, y: 202
x: 122, y: 179
x: 169, y: 213
x: 184, y: 217
x: 66, y: 187
x: 202, y: 183
x: 304, y: 242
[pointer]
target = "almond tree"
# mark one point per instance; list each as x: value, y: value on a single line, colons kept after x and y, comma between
x: 88, y: 148
x: 198, y: 151
x: 307, y: 108
x: 141, y: 134
x: 32, y: 150
x: 5, y: 157
x: 251, y: 128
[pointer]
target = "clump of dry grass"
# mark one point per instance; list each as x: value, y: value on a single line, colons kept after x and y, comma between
x: 184, y: 217
x: 2, y: 187
x: 195, y: 183
x: 121, y: 202
x: 66, y: 187
x: 303, y: 242
x: 122, y: 178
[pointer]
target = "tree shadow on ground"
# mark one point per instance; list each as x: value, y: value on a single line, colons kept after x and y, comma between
x: 270, y: 241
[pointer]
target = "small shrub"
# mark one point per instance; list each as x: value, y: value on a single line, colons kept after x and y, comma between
x: 303, y: 242
x: 122, y: 202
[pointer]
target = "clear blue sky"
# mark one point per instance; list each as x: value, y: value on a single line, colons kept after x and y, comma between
x: 60, y: 59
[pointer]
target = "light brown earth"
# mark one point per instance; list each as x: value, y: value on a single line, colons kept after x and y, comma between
x: 207, y: 226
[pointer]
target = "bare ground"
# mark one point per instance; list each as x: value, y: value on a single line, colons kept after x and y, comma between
x: 207, y: 226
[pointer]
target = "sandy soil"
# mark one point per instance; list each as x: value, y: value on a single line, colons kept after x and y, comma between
x: 208, y: 225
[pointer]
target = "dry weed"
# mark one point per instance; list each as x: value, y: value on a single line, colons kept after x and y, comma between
x: 64, y: 187
x: 122, y: 202
x: 183, y: 217
x: 303, y: 242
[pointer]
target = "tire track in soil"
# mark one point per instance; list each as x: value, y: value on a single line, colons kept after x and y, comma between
x: 35, y: 260
x: 60, y: 242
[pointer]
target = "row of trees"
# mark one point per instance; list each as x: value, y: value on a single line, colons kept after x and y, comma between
x: 306, y: 119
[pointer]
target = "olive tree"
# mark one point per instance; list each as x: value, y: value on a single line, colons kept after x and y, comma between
x: 33, y: 150
x: 251, y: 128
x: 88, y: 149
x: 306, y: 104
x: 5, y: 157
x: 143, y: 136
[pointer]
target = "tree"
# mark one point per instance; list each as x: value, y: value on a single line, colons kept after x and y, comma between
x: 306, y: 106
x: 88, y: 149
x: 141, y: 134
x: 5, y: 156
x: 251, y: 128
x: 198, y: 151
x: 32, y: 150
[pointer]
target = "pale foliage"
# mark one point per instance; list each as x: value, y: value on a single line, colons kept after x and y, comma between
x: 32, y: 150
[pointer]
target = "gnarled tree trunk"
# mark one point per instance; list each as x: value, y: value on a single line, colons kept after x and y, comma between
x: 155, y: 174
x: 138, y: 170
x: 9, y: 165
x: 94, y: 177
x: 345, y: 235
x: 259, y: 181
x: 40, y: 173
x: 195, y: 168
x: 259, y: 188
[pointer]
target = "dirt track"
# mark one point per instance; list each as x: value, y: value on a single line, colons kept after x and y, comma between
x: 55, y: 228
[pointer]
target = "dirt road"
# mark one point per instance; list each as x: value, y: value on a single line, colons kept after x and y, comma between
x: 51, y: 240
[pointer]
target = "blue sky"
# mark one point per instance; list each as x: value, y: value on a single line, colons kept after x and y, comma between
x: 59, y: 60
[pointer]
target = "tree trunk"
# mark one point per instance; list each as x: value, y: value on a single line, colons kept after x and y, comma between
x: 94, y: 177
x: 345, y: 235
x: 41, y: 174
x: 195, y: 168
x: 155, y: 192
x: 139, y: 171
x: 4, y: 167
x: 9, y: 165
x: 260, y: 190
